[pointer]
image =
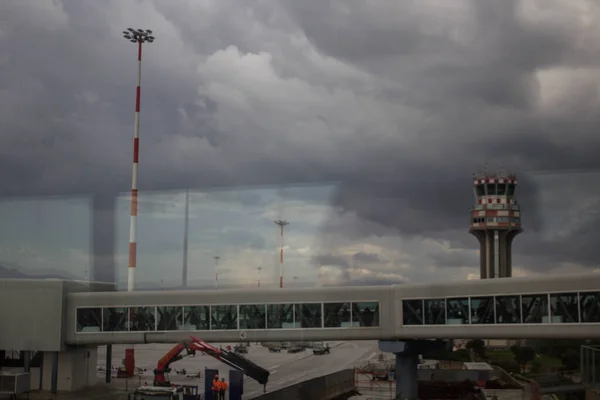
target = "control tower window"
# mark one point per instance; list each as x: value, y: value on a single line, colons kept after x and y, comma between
x: 491, y: 189
x: 480, y: 190
x: 511, y: 189
x: 501, y: 189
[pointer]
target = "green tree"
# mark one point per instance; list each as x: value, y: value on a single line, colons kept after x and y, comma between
x: 477, y: 346
x: 523, y: 355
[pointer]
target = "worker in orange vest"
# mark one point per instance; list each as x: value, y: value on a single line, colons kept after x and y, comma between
x: 224, y: 388
x: 216, y: 387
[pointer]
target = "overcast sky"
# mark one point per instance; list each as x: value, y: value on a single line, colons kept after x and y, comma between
x: 359, y: 122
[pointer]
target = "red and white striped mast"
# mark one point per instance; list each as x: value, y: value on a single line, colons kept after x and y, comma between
x: 281, y: 224
x: 138, y: 37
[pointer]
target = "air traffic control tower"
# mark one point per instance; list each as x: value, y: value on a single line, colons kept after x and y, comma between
x: 495, y: 221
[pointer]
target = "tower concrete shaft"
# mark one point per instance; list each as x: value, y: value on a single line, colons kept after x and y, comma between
x: 495, y: 221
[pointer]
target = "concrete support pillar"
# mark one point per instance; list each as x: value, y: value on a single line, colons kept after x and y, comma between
x: 407, y: 381
x: 407, y: 359
x: 108, y: 362
x: 54, y: 375
x: 26, y: 355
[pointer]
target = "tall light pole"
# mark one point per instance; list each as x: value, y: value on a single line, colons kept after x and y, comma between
x: 281, y: 224
x: 138, y: 37
x: 186, y: 228
x: 258, y: 269
x: 217, y: 258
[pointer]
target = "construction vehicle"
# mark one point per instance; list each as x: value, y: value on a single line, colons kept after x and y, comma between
x: 193, y: 345
x: 179, y: 392
x: 320, y: 349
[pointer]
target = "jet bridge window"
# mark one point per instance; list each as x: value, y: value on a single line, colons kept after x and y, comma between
x: 142, y: 319
x: 508, y: 309
x: 412, y: 312
x: 169, y: 318
x: 196, y: 318
x: 336, y: 315
x: 365, y: 314
x: 482, y: 310
x: 564, y: 307
x: 535, y: 308
x: 253, y: 316
x: 589, y: 305
x: 223, y: 317
x: 89, y: 319
x: 280, y: 316
x: 457, y: 311
x: 114, y: 319
x: 435, y: 311
x: 308, y: 315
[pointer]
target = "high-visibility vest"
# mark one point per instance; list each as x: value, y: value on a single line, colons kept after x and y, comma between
x: 224, y: 386
x: 216, y: 385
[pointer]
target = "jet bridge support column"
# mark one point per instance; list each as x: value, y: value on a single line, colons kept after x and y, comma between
x: 407, y: 360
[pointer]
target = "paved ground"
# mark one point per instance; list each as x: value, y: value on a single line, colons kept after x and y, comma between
x: 286, y: 369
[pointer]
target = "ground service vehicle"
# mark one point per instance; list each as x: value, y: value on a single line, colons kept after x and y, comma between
x: 241, y: 349
x: 191, y: 346
x: 275, y: 348
x: 182, y: 392
x: 296, y: 349
x: 320, y: 349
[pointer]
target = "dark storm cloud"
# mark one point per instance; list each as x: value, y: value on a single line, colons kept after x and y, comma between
x: 368, y: 258
x: 468, y: 74
x: 241, y: 238
x: 330, y: 260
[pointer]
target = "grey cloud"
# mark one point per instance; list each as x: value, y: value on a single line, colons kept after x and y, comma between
x: 467, y: 81
x: 244, y: 238
x: 368, y: 258
x: 330, y: 260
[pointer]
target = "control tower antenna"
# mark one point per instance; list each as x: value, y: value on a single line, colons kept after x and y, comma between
x: 281, y: 224
x: 495, y: 221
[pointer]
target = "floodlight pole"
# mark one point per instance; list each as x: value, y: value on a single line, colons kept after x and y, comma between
x: 217, y: 258
x: 138, y: 36
x: 281, y: 225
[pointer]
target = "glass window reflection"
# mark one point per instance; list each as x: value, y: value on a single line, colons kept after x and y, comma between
x: 508, y: 309
x: 89, y: 319
x: 590, y: 307
x: 336, y: 315
x: 365, y: 314
x: 564, y: 308
x: 435, y: 311
x: 308, y: 315
x: 535, y: 308
x: 114, y: 319
x: 482, y: 310
x: 196, y: 318
x: 457, y: 311
x: 169, y: 318
x: 412, y: 312
x: 253, y: 316
x: 280, y: 316
x: 223, y: 317
x: 142, y: 319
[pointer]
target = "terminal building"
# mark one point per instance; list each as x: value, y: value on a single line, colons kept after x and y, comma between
x: 495, y: 221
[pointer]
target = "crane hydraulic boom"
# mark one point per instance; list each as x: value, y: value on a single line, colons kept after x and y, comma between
x: 191, y: 346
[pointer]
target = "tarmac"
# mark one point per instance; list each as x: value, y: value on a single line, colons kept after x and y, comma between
x: 286, y: 369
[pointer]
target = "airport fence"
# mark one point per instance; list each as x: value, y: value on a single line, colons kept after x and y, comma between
x: 326, y: 387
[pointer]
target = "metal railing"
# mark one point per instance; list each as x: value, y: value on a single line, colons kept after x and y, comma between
x: 590, y: 365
